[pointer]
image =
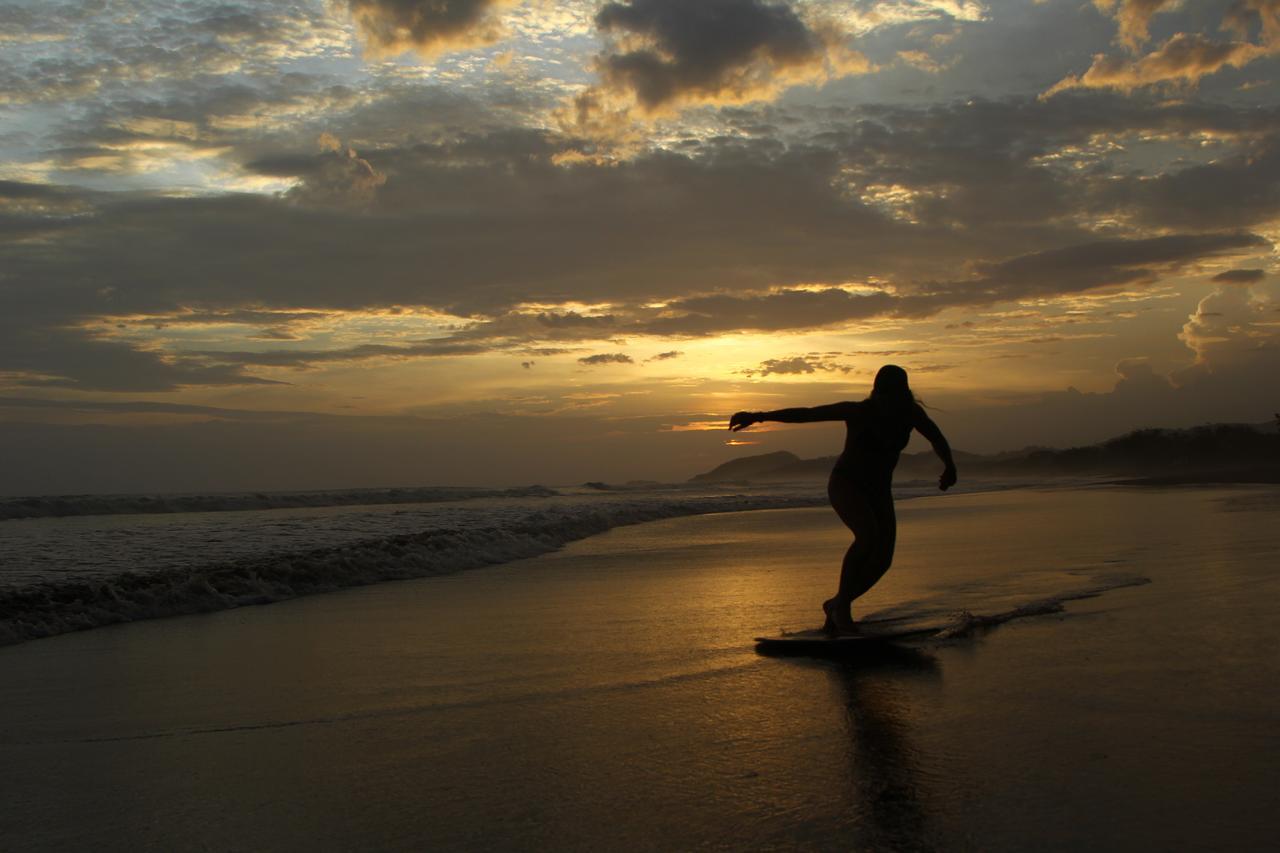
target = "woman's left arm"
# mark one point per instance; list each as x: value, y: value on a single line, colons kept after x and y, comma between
x: 926, y: 427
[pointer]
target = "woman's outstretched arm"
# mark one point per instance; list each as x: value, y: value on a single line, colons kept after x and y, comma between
x: 926, y: 427
x: 814, y: 414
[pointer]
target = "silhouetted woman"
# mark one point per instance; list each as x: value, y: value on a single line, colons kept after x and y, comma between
x: 876, y: 431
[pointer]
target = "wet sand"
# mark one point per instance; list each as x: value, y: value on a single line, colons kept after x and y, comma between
x: 608, y: 696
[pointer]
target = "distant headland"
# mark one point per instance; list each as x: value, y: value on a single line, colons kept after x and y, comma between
x: 1223, y: 453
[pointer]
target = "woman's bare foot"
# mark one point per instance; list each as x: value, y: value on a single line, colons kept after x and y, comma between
x: 838, y: 621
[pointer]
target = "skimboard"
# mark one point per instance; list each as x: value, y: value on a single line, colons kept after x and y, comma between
x: 870, y: 634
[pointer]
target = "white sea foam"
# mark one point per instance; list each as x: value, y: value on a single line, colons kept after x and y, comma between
x: 87, y: 562
x: 407, y: 544
x: 62, y: 506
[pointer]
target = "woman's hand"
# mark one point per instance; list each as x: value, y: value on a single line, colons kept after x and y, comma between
x: 948, y: 478
x: 742, y: 420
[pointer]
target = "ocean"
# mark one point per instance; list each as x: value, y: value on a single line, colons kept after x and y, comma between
x: 76, y: 562
x: 1106, y: 678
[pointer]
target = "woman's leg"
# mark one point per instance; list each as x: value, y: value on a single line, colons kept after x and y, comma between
x: 861, y: 567
x: 881, y: 556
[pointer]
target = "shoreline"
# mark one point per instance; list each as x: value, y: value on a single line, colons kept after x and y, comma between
x: 81, y: 603
x: 51, y: 608
x: 1205, y: 478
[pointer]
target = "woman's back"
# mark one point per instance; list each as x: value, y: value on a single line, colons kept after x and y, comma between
x: 874, y: 439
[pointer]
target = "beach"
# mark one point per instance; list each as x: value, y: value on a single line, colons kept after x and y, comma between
x: 1106, y: 678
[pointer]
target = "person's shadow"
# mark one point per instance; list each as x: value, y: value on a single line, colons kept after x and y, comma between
x: 873, y: 686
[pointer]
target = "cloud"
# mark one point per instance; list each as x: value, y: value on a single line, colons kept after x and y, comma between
x: 1136, y: 374
x: 89, y: 54
x: 1185, y: 57
x: 237, y: 317
x: 131, y: 407
x: 1240, y: 276
x: 796, y: 365
x: 1239, y: 189
x: 665, y: 356
x: 1054, y: 272
x: 782, y: 309
x: 426, y: 26
x: 67, y: 358
x: 480, y: 225
x: 1133, y: 18
x: 1103, y: 263
x: 299, y: 358
x: 661, y: 55
x: 606, y: 358
x: 23, y: 202
x: 1038, y: 275
x: 922, y: 60
x: 338, y: 176
x: 1232, y: 327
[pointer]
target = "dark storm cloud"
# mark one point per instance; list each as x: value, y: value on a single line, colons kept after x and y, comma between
x: 1240, y: 276
x: 393, y: 26
x: 706, y: 50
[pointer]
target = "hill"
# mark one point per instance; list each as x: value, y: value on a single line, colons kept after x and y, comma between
x: 750, y: 467
x: 1213, y: 452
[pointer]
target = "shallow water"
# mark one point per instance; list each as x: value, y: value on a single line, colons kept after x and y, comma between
x: 608, y: 696
x: 61, y: 574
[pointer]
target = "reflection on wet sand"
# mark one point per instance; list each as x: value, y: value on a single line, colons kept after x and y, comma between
x: 888, y: 794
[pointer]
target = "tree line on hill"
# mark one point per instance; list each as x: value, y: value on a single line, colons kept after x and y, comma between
x: 1212, y: 452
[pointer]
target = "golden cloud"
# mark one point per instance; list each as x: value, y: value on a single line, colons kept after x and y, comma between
x: 1133, y: 18
x: 1184, y: 58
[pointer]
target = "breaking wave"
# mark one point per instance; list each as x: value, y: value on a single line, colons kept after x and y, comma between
x: 62, y: 506
x: 76, y: 603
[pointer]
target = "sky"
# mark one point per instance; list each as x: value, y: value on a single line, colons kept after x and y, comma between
x: 296, y: 244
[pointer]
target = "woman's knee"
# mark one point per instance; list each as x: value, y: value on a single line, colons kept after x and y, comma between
x: 867, y: 535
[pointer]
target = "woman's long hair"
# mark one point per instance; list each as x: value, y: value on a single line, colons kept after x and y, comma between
x: 891, y: 393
